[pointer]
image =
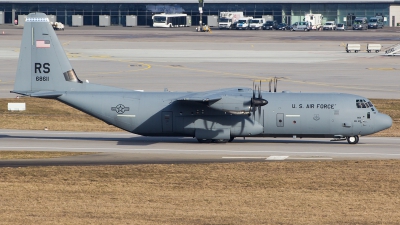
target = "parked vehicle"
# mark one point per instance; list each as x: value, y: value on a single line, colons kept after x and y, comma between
x: 315, y: 21
x: 360, y: 23
x: 282, y: 26
x: 341, y: 27
x: 306, y: 26
x: 270, y: 25
x: 256, y: 23
x: 227, y: 19
x: 57, y: 26
x: 243, y: 23
x: 375, y: 22
x: 170, y: 20
x: 330, y: 25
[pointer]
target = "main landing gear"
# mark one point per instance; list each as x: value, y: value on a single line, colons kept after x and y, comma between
x: 353, y: 139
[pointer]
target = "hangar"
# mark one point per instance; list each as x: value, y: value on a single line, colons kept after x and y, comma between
x: 289, y: 11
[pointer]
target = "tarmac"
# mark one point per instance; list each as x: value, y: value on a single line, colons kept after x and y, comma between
x: 180, y: 59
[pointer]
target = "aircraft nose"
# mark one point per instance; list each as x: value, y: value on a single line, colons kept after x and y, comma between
x: 382, y: 122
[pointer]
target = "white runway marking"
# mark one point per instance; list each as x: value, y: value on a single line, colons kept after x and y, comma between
x: 277, y: 157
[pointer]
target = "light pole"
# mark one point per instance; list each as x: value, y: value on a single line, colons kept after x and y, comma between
x: 201, y: 5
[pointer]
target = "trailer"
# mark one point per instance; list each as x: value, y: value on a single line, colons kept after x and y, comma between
x: 374, y: 47
x: 353, y: 47
x: 227, y: 19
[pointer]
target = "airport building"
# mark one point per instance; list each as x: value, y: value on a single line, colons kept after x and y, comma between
x: 93, y: 12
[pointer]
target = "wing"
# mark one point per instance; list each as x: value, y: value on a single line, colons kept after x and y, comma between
x: 231, y: 100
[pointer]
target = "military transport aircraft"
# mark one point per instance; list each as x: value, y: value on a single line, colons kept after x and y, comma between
x: 44, y: 71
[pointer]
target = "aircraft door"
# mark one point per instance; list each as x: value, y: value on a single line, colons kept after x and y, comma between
x: 279, y: 120
x: 166, y: 118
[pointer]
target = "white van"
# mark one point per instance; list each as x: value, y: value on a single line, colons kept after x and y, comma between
x: 243, y: 23
x: 256, y: 23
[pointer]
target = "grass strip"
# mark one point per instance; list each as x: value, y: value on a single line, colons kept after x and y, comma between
x: 327, y: 192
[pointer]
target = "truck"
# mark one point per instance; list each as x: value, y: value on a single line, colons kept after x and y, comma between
x: 329, y: 25
x: 227, y: 19
x: 315, y: 21
x: 256, y: 23
x: 243, y: 23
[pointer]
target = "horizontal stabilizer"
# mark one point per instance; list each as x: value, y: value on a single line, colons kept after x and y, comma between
x: 40, y: 94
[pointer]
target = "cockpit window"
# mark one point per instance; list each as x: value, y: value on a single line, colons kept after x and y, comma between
x: 361, y: 103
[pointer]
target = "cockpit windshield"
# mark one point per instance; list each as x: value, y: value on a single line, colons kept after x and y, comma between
x: 362, y: 103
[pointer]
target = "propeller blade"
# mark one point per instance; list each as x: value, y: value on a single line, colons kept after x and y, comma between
x: 270, y: 83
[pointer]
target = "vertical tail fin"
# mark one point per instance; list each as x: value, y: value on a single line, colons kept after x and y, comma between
x: 43, y: 65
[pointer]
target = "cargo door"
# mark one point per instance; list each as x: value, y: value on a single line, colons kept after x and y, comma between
x: 166, y: 118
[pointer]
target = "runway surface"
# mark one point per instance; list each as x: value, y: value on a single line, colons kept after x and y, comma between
x: 124, y: 148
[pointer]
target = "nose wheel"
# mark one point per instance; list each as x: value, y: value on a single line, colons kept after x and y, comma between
x: 353, y: 139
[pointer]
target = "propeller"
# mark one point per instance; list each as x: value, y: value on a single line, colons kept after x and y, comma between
x: 275, y: 80
x: 257, y: 102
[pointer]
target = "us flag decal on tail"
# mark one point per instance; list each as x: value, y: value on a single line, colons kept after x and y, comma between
x: 43, y: 44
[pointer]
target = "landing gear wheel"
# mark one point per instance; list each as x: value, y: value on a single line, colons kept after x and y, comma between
x: 231, y: 139
x: 204, y: 140
x: 353, y: 139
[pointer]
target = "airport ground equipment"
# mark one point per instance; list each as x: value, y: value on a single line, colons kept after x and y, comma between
x: 393, y: 50
x: 57, y: 26
x: 315, y: 21
x: 204, y: 28
x: 44, y: 71
x: 353, y: 47
x: 227, y: 19
x: 374, y: 48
